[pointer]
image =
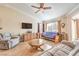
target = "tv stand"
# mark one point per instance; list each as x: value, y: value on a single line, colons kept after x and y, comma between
x: 29, y: 36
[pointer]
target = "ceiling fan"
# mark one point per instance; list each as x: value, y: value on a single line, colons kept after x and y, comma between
x: 41, y: 7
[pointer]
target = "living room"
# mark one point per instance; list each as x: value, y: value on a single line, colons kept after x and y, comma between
x: 23, y: 23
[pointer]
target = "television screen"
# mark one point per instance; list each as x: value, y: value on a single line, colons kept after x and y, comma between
x: 26, y: 25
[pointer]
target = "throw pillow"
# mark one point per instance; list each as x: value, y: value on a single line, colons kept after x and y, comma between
x: 70, y: 44
x: 74, y: 52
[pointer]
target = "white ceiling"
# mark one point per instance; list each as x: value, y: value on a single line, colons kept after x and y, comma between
x: 58, y: 9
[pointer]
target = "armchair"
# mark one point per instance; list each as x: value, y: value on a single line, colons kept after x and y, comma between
x: 7, y: 41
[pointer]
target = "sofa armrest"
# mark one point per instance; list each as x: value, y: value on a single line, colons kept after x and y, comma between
x: 4, y: 44
x: 14, y: 41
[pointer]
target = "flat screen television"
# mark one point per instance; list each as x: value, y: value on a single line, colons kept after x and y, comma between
x: 26, y: 25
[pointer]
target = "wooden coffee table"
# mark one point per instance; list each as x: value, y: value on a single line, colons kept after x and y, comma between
x: 36, y: 44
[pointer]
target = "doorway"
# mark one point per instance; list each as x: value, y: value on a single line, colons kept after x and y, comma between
x: 74, y: 30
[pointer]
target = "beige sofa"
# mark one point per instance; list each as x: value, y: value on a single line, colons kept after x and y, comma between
x: 63, y: 49
x: 7, y: 41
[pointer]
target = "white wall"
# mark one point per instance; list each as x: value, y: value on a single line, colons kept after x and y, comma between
x: 11, y: 21
x: 68, y: 26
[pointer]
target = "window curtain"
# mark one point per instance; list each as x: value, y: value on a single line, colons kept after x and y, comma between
x: 59, y: 26
x: 52, y: 27
x: 43, y: 27
x: 38, y: 27
x: 77, y: 26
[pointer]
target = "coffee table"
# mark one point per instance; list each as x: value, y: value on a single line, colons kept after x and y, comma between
x: 36, y: 44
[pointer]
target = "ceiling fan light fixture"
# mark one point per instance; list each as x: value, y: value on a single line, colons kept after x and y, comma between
x: 41, y: 8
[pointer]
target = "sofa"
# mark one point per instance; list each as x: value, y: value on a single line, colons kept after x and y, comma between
x: 63, y: 49
x: 8, y: 41
x: 49, y: 35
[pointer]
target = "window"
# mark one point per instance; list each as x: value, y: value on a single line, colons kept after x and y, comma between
x: 52, y: 27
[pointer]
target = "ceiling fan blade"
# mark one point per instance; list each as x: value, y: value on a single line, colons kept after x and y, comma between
x: 36, y: 7
x: 47, y: 8
x: 37, y: 11
x: 41, y: 5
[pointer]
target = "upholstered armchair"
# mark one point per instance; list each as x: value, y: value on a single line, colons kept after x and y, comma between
x: 7, y: 41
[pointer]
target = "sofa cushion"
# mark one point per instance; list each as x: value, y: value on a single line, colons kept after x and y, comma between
x: 59, y: 50
x: 75, y: 51
x: 60, y: 53
x: 6, y: 36
x: 70, y: 44
x: 47, y: 54
x: 49, y: 35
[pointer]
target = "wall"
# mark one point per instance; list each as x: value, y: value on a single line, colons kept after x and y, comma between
x: 11, y: 21
x: 0, y: 22
x: 63, y: 20
x: 75, y: 16
x: 67, y: 20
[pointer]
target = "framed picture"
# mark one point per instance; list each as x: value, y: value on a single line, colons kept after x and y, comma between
x: 63, y: 25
